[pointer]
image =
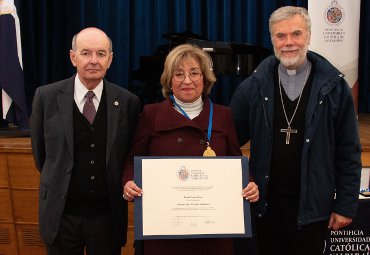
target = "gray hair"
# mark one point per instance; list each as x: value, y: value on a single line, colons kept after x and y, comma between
x: 288, y: 12
x: 74, y: 41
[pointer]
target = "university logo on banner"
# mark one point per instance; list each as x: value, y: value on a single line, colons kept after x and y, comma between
x: 334, y: 16
x: 335, y: 35
x: 13, y: 101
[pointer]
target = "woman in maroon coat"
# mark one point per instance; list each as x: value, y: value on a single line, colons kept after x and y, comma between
x: 179, y: 126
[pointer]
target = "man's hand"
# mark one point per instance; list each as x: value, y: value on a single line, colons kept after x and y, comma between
x: 337, y: 221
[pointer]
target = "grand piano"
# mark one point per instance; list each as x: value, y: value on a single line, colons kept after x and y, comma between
x: 232, y: 63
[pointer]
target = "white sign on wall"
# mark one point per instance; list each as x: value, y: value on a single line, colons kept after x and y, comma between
x: 335, y: 34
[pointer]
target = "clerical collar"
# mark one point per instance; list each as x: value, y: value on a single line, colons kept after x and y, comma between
x: 299, y: 70
x: 192, y: 109
x: 293, y: 81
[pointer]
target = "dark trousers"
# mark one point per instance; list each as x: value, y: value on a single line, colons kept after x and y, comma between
x: 279, y: 234
x: 95, y: 234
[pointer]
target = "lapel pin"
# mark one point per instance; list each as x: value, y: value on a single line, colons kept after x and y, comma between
x: 116, y: 103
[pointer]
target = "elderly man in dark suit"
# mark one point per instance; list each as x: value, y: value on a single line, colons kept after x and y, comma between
x: 81, y: 128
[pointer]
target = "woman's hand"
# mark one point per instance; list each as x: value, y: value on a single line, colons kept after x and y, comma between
x: 251, y: 192
x: 131, y: 190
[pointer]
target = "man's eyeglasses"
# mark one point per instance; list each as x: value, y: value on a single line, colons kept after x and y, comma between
x: 193, y: 75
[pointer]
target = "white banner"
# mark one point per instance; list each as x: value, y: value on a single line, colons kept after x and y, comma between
x: 335, y: 34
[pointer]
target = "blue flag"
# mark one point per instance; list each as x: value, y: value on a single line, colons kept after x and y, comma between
x: 14, y: 108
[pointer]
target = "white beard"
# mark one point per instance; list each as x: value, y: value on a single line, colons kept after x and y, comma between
x: 292, y: 62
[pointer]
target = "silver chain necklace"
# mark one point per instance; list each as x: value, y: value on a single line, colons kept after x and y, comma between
x: 290, y: 130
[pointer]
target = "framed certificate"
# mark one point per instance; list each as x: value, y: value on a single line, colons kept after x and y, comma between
x: 191, y: 197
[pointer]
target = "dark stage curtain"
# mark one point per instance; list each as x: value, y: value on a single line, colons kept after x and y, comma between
x: 364, y: 62
x: 136, y: 29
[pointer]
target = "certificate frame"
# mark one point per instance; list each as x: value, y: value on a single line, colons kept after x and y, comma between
x: 244, y: 217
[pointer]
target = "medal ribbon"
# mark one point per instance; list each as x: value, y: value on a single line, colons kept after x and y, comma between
x: 209, y: 133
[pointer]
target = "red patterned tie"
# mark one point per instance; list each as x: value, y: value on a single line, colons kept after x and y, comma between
x: 89, y: 109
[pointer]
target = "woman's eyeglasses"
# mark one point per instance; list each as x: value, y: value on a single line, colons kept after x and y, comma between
x: 193, y: 75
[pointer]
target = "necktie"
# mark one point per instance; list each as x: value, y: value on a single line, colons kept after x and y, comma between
x: 89, y: 109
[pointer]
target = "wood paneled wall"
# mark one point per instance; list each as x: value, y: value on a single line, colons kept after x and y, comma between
x: 19, y: 182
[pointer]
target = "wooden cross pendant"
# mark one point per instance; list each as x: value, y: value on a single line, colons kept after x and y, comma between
x: 288, y: 131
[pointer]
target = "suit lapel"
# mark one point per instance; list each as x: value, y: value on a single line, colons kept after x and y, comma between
x: 113, y: 109
x: 65, y: 106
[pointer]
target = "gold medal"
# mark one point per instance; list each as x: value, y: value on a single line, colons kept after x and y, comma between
x: 209, y: 152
